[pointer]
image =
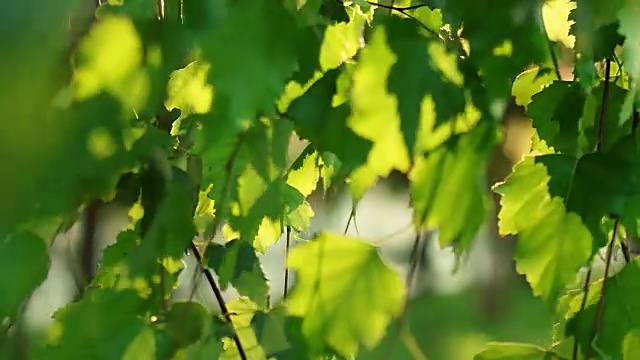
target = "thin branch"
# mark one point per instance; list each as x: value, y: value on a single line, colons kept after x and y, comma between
x: 403, y: 11
x: 352, y: 215
x: 583, y: 304
x: 218, y: 294
x: 286, y: 270
x: 414, y: 263
x: 600, y: 311
x: 626, y: 253
x: 88, y: 244
x: 397, y: 8
x: 603, y: 106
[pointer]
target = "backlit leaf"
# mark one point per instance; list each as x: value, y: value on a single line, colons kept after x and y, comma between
x: 345, y: 293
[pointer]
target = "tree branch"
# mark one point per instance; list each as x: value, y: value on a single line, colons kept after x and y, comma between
x: 218, y: 294
x: 600, y: 311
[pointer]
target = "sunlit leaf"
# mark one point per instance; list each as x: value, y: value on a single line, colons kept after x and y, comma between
x: 345, y: 293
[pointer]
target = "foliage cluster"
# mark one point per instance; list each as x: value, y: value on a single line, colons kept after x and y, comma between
x: 183, y: 111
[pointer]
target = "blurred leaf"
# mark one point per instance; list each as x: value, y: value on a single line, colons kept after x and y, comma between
x: 260, y: 43
x: 188, y: 89
x: 95, y: 327
x: 515, y: 351
x: 345, y: 293
x: 447, y: 188
x: 22, y: 254
x: 110, y: 59
x: 631, y: 345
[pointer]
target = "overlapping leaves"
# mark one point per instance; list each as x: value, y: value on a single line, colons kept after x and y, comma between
x: 544, y: 201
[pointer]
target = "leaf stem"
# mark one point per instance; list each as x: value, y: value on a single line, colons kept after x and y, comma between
x: 218, y: 294
x: 600, y: 311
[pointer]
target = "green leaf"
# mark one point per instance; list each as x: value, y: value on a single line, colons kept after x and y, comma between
x: 596, y: 36
x: 556, y: 113
x: 630, y: 29
x: 188, y: 89
x: 325, y: 125
x: 105, y: 322
x: 243, y: 311
x: 631, y: 345
x: 236, y: 263
x: 620, y: 313
x: 188, y: 322
x: 530, y: 83
x: 555, y: 14
x: 345, y: 293
x: 261, y: 43
x: 423, y: 67
x: 113, y: 40
x: 304, y: 178
x: 553, y: 243
x: 204, y: 349
x: 613, y: 129
x: 148, y: 258
x: 515, y: 351
x: 502, y: 46
x: 374, y: 115
x: 447, y: 187
x: 22, y: 254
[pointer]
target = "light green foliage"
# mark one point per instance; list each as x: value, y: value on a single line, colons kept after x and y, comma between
x: 555, y: 14
x: 631, y: 345
x: 530, y: 83
x: 338, y: 276
x: 435, y: 182
x: 553, y: 243
x: 185, y: 116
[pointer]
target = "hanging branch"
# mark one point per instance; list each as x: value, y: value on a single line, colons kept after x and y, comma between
x: 218, y: 294
x: 600, y: 311
x: 587, y: 279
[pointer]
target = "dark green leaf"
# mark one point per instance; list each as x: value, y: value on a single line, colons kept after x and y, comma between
x: 236, y: 263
